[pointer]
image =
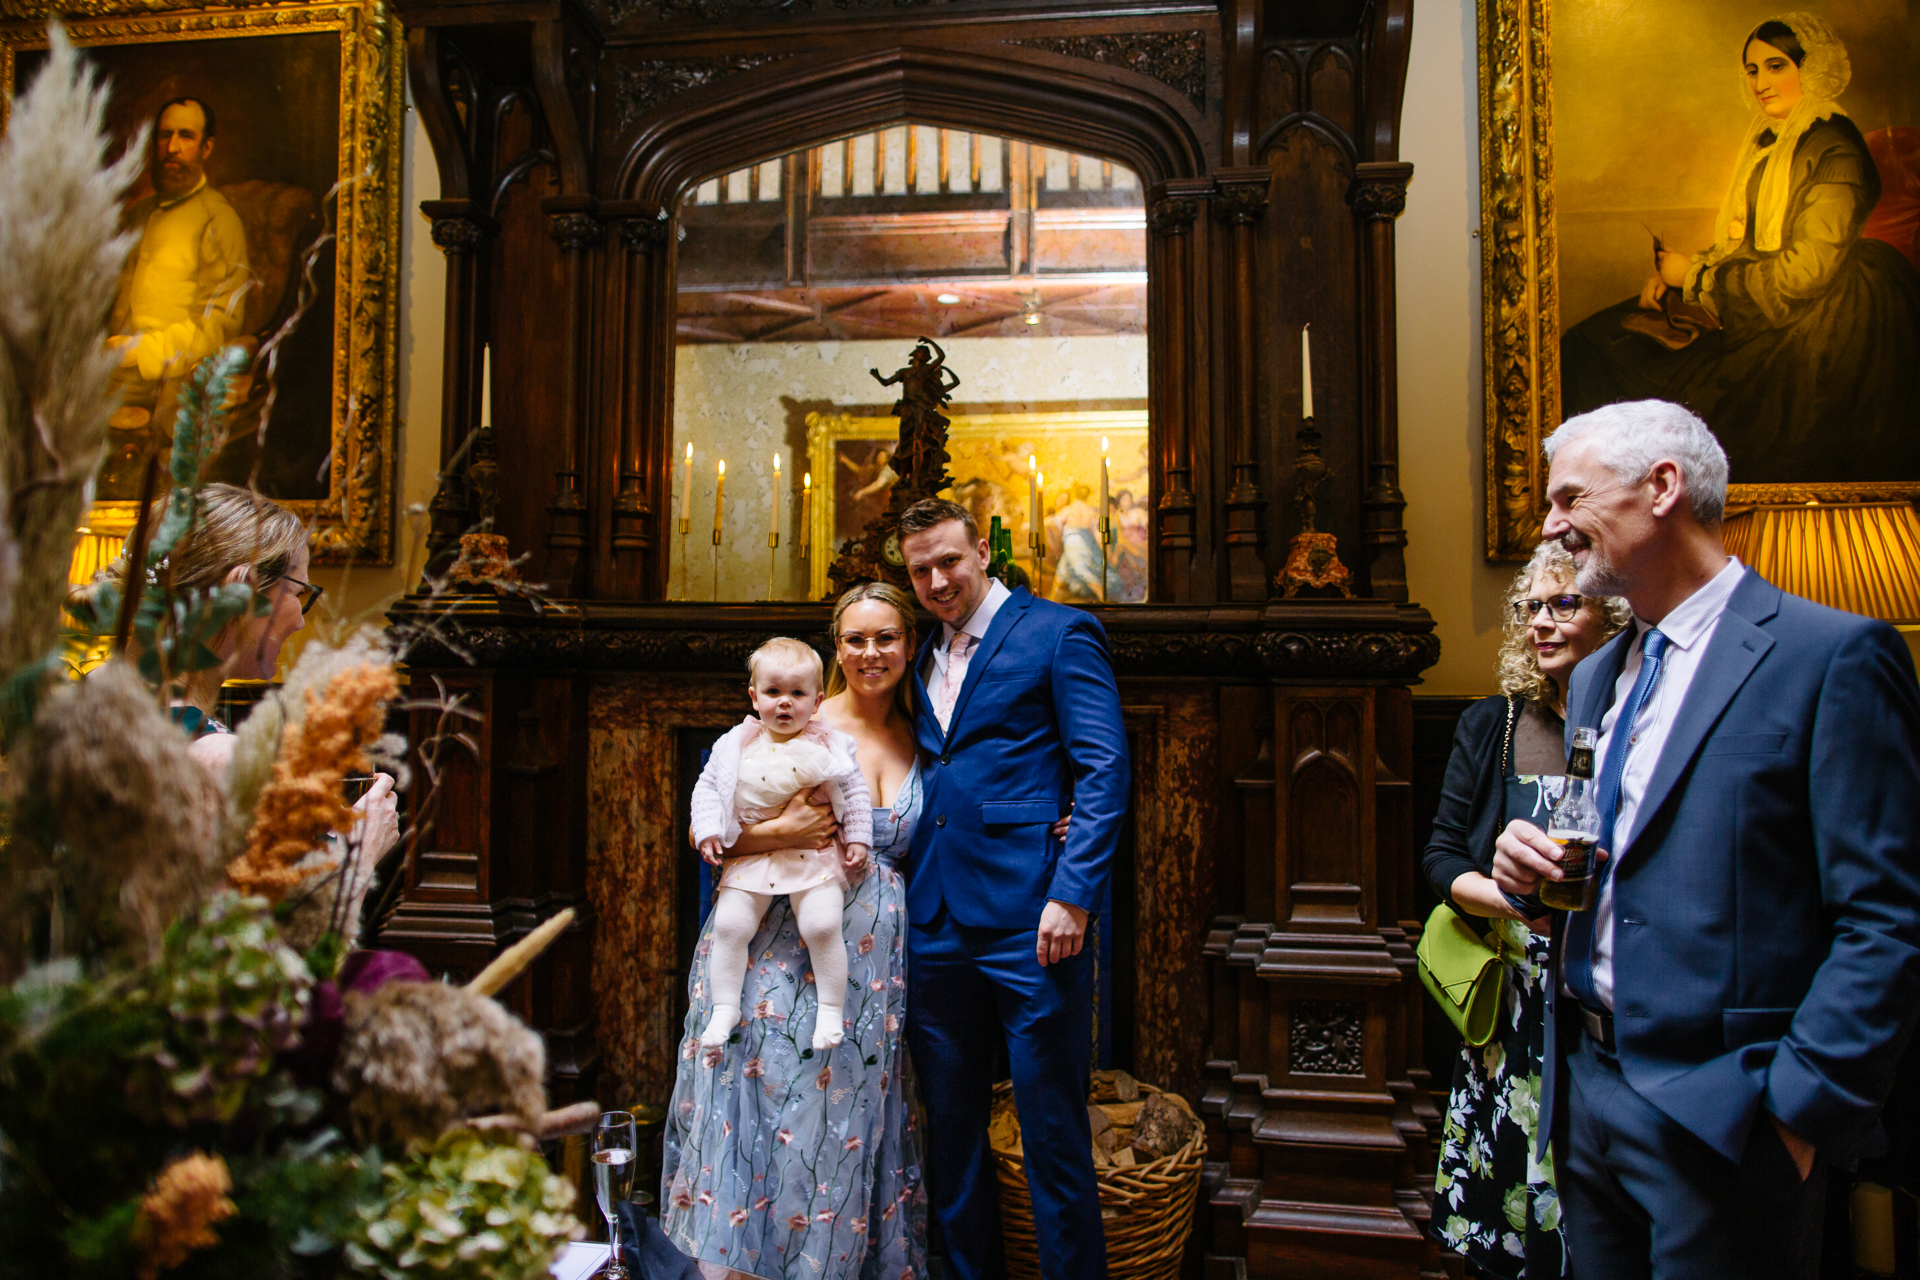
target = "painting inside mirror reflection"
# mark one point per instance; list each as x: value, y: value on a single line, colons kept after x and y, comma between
x: 990, y: 456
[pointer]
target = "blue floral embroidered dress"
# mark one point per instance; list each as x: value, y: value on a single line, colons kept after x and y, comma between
x: 786, y: 1163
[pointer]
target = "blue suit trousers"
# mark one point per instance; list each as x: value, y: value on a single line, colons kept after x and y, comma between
x: 1646, y: 1199
x: 964, y: 984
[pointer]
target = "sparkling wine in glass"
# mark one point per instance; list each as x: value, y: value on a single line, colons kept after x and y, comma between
x: 615, y: 1153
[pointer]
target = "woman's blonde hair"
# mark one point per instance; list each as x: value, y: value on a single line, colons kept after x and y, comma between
x: 232, y: 528
x: 1519, y: 664
x: 896, y: 599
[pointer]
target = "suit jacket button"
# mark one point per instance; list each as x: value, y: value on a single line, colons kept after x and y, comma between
x: 940, y: 821
x: 946, y: 759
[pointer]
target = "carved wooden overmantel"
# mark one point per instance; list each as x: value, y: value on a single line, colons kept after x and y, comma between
x: 1271, y: 906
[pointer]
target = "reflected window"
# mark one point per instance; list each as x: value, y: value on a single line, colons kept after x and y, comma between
x: 800, y: 275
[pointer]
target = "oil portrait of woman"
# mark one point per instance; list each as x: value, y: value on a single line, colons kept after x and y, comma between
x: 1792, y: 326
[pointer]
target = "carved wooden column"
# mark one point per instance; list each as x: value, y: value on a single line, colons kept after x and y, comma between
x: 1170, y: 283
x: 1241, y: 204
x: 1378, y: 196
x: 461, y: 231
x: 644, y: 239
x: 575, y: 228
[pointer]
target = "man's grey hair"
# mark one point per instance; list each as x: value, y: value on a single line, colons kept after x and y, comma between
x: 1632, y: 436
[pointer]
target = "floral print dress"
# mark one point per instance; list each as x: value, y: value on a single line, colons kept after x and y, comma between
x: 1493, y: 1201
x: 786, y: 1163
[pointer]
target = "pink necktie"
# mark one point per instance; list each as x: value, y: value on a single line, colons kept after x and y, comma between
x: 957, y: 654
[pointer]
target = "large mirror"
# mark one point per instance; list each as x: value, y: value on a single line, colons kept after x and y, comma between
x: 801, y: 276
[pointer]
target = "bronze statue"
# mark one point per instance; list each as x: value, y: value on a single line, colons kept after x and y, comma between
x: 926, y: 386
x: 924, y: 391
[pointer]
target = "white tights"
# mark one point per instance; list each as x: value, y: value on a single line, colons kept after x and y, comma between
x: 736, y: 918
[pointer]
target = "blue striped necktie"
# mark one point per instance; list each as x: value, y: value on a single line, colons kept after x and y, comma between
x: 1579, y: 944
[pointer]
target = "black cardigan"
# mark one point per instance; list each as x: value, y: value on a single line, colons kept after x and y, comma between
x: 1472, y: 797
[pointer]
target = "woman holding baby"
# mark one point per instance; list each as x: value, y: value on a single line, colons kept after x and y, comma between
x: 790, y: 1149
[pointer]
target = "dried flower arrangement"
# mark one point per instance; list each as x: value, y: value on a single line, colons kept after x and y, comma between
x: 187, y: 1035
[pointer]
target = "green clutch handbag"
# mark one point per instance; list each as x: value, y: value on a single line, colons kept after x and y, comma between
x: 1466, y: 972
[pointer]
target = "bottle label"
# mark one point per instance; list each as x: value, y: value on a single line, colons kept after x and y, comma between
x: 1577, y: 848
x: 1580, y: 762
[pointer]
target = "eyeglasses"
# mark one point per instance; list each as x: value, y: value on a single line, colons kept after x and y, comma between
x: 882, y: 641
x: 1562, y: 608
x: 309, y: 595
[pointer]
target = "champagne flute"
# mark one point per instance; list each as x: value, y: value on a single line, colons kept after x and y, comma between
x: 615, y: 1152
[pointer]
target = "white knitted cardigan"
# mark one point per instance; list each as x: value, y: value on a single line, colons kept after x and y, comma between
x: 714, y: 813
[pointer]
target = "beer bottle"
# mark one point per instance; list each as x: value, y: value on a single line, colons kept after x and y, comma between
x: 1575, y: 827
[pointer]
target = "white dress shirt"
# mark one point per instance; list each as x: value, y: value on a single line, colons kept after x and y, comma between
x: 1689, y: 630
x: 974, y: 624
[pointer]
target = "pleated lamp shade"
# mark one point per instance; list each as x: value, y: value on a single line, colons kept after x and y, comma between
x: 1862, y: 556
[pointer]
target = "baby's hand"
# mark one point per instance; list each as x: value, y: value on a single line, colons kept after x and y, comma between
x: 710, y: 849
x: 854, y: 861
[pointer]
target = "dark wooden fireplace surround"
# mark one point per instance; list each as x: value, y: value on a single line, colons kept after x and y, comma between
x: 1273, y: 907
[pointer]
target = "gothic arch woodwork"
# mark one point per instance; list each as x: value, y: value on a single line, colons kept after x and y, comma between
x: 769, y: 110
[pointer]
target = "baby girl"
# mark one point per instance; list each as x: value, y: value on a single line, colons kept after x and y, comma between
x: 755, y: 769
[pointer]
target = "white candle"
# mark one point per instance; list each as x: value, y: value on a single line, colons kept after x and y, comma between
x: 720, y: 497
x: 1033, y: 496
x: 1306, y: 371
x: 686, y: 491
x: 486, y: 385
x: 1103, y: 491
x: 773, y: 504
x: 806, y: 512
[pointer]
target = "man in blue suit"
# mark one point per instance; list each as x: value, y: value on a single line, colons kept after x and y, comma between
x: 1019, y: 721
x: 1729, y: 1015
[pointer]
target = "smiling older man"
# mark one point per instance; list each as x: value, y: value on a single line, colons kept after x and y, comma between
x: 1729, y: 1015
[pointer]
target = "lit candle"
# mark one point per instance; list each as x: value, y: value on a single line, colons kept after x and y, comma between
x: 1033, y: 496
x: 806, y: 512
x: 1104, y: 526
x: 1306, y: 371
x: 773, y: 504
x: 486, y: 385
x: 686, y: 491
x: 1039, y: 500
x: 719, y: 499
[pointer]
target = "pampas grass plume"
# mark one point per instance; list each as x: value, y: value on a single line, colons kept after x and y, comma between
x: 134, y: 811
x: 60, y: 259
x: 301, y: 804
x: 257, y: 741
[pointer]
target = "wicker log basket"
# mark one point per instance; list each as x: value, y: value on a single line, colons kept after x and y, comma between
x: 1146, y: 1210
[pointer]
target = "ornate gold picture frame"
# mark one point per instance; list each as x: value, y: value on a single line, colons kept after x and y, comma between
x: 306, y: 96
x: 1549, y: 245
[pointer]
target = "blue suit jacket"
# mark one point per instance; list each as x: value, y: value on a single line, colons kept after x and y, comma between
x: 1036, y: 729
x: 1767, y: 913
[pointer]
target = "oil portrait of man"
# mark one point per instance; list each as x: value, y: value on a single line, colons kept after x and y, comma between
x: 182, y: 293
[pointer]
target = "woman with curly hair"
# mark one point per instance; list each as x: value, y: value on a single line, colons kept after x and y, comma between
x: 1493, y: 1203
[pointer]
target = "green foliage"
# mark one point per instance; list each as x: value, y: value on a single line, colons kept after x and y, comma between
x: 473, y: 1206
x: 197, y: 434
x: 171, y: 627
x: 233, y: 995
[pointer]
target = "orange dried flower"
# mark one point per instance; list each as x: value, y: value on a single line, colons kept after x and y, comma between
x: 176, y: 1218
x: 302, y: 801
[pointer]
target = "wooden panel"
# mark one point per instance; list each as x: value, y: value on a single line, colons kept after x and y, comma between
x: 633, y: 850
